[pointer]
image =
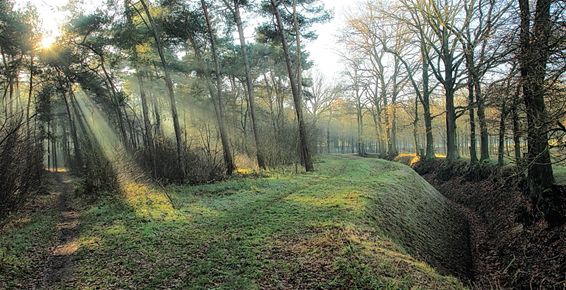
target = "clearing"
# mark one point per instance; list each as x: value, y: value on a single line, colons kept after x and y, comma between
x: 354, y: 223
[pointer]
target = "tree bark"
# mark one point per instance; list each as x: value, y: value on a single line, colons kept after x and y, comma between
x: 516, y: 132
x: 217, y: 98
x: 449, y: 87
x: 501, y: 145
x: 249, y: 85
x: 170, y: 90
x: 296, y: 95
x: 533, y: 58
x: 472, y: 121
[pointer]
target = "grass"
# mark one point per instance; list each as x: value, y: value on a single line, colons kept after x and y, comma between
x: 354, y: 223
x: 24, y: 242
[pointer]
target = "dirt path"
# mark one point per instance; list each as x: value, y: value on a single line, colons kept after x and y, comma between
x: 59, y: 266
x: 484, y: 262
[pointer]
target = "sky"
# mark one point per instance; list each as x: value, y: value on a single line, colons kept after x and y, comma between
x: 322, y: 50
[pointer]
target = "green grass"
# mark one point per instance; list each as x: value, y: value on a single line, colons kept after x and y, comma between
x: 354, y: 223
x: 24, y: 244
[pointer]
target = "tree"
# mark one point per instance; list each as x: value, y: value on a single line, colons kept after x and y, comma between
x: 169, y: 83
x: 217, y: 99
x: 413, y: 19
x: 482, y: 21
x: 132, y: 42
x: 297, y: 99
x: 235, y: 10
x: 320, y: 97
x: 442, y: 19
x: 533, y: 58
x: 352, y: 72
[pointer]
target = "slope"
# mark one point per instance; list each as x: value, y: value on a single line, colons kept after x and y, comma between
x: 355, y: 223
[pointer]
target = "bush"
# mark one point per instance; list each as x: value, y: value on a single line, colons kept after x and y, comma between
x: 20, y: 171
x: 201, y: 165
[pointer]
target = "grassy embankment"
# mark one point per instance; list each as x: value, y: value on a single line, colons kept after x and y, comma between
x: 354, y: 223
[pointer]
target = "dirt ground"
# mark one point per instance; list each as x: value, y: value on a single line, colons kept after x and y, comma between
x: 511, y: 247
x: 59, y: 266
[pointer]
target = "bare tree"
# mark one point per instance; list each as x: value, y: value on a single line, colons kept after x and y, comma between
x: 442, y: 19
x: 320, y: 97
x: 533, y: 58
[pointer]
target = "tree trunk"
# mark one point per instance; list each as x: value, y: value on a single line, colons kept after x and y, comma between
x: 415, y: 129
x: 516, y: 132
x: 217, y: 97
x: 29, y: 94
x: 115, y: 100
x: 361, y: 146
x: 471, y: 112
x: 158, y: 132
x: 426, y: 106
x: 533, y: 59
x: 451, y: 145
x: 149, y: 142
x: 148, y: 136
x: 484, y: 135
x: 328, y: 139
x: 387, y: 121
x: 394, y: 150
x: 249, y: 85
x: 74, y: 135
x: 49, y: 145
x: 54, y: 145
x: 170, y: 90
x: 501, y: 147
x: 294, y: 88
x: 145, y: 111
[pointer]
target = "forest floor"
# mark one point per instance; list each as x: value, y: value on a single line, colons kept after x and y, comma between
x: 60, y: 263
x: 354, y: 223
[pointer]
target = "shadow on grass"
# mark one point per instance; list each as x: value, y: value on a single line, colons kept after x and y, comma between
x: 284, y: 231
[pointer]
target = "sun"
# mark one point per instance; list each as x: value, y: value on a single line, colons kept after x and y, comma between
x: 47, y: 41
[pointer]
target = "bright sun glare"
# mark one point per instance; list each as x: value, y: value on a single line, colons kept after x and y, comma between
x: 52, y: 15
x: 47, y: 41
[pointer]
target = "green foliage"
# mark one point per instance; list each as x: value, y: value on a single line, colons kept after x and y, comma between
x: 15, y: 31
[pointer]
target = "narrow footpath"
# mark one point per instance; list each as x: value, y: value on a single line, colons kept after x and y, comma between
x: 60, y: 264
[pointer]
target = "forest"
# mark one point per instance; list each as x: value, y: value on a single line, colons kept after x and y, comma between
x: 283, y: 144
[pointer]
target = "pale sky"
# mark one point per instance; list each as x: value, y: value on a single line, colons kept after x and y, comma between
x: 322, y: 51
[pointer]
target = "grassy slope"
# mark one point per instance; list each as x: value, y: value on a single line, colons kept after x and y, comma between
x: 351, y: 224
